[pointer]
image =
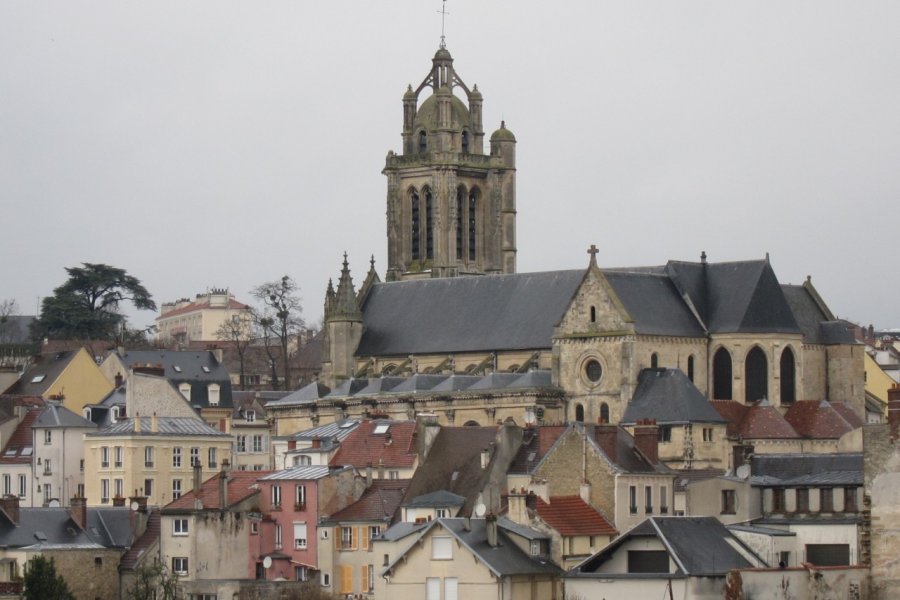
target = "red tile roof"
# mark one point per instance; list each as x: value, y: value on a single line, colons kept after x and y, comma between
x: 396, y: 448
x: 130, y: 559
x: 570, y: 515
x: 378, y: 503
x: 817, y: 419
x: 20, y: 439
x: 850, y: 415
x: 241, y: 485
x: 756, y: 421
x: 203, y: 305
x: 536, y: 443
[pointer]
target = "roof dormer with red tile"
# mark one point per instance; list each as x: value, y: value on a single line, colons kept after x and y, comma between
x: 389, y: 447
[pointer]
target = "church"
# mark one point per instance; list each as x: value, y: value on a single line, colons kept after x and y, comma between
x: 455, y: 331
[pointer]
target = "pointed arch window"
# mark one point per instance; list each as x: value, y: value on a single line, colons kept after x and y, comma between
x: 722, y: 375
x: 429, y: 229
x: 690, y: 368
x: 473, y: 222
x: 460, y: 220
x: 465, y: 142
x: 415, y: 229
x: 787, y: 369
x: 579, y: 413
x: 604, y: 412
x: 756, y: 375
x: 423, y: 142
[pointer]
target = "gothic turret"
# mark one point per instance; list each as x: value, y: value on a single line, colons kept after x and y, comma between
x: 450, y: 208
x: 343, y: 329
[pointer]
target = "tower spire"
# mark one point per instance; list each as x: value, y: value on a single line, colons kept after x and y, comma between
x: 444, y: 14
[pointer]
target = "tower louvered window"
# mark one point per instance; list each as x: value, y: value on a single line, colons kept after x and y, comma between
x: 429, y: 229
x: 415, y: 231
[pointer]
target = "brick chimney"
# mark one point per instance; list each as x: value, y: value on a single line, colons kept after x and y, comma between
x: 894, y: 409
x: 223, y: 489
x: 646, y: 439
x: 78, y: 511
x: 10, y: 505
x: 607, y: 436
x: 119, y: 380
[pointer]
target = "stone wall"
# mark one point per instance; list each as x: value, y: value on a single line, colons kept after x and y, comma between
x: 880, y: 530
x: 90, y: 573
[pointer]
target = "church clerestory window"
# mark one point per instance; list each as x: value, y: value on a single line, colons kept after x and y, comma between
x: 415, y: 228
x: 722, y: 375
x: 788, y: 378
x: 756, y: 375
x: 429, y: 228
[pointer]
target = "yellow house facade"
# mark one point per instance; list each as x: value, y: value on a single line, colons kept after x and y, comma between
x: 72, y: 376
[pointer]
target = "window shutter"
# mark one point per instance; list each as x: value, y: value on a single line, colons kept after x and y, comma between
x: 365, y: 537
x: 346, y: 579
x: 355, y: 538
x: 364, y: 578
x: 451, y: 591
x: 299, y: 532
x: 432, y: 588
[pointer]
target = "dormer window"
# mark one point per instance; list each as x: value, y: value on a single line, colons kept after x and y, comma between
x: 250, y: 416
x: 214, y: 394
x: 205, y: 369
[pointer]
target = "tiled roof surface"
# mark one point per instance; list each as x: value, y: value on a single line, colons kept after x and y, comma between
x: 19, y: 449
x: 395, y: 448
x: 816, y: 419
x: 849, y: 414
x: 535, y: 445
x: 132, y: 557
x: 757, y: 421
x: 570, y: 515
x: 306, y: 472
x: 378, y: 503
x: 241, y: 485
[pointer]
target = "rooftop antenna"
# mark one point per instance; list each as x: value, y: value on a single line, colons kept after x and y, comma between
x: 444, y: 14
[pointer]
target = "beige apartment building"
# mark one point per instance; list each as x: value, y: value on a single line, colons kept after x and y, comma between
x: 186, y: 320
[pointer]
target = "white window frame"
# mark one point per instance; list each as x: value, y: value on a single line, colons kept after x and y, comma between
x: 104, y: 457
x: 441, y: 547
x: 148, y: 457
x: 48, y: 437
x: 118, y: 457
x: 176, y: 457
x: 104, y: 491
x: 180, y: 527
x: 180, y: 565
x: 176, y: 489
x: 195, y: 456
x: 276, y: 495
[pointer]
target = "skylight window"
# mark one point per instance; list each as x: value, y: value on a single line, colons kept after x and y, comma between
x: 205, y: 369
x: 177, y: 368
x: 347, y: 424
x: 27, y: 451
x: 381, y: 428
x: 10, y: 452
x: 38, y: 378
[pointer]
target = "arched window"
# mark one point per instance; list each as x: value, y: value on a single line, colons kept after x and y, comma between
x: 423, y: 142
x: 787, y: 368
x: 429, y: 229
x: 415, y: 230
x: 471, y: 424
x: 593, y: 314
x: 473, y: 222
x: 579, y: 413
x: 465, y: 142
x: 722, y: 375
x: 756, y: 375
x: 604, y: 412
x: 460, y: 220
x: 690, y: 366
x: 654, y: 361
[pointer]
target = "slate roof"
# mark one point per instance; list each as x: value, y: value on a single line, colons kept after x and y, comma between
x: 504, y: 560
x: 19, y: 450
x: 306, y: 395
x: 653, y: 302
x: 47, y: 368
x: 395, y: 448
x: 685, y: 477
x: 514, y: 312
x: 241, y: 485
x: 668, y: 396
x: 570, y: 515
x: 536, y: 443
x: 817, y: 419
x: 186, y: 366
x: 336, y: 430
x: 182, y: 426
x: 454, y: 464
x: 817, y: 325
x: 758, y: 421
x: 378, y: 503
x: 438, y: 499
x: 806, y: 469
x: 627, y: 458
x: 46, y: 528
x: 699, y: 546
x: 56, y: 416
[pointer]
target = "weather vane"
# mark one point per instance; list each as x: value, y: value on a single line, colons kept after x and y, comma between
x: 444, y: 14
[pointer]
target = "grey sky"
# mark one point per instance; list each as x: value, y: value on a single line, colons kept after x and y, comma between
x: 201, y: 144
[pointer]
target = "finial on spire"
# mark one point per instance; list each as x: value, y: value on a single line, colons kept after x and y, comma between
x: 703, y: 257
x: 444, y: 14
x: 346, y: 264
x: 372, y: 262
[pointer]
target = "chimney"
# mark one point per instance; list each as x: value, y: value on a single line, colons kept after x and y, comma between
x: 137, y: 422
x: 118, y: 501
x: 607, y: 436
x: 292, y: 444
x: 646, y: 439
x: 585, y: 491
x: 518, y: 512
x: 10, y: 505
x: 368, y: 475
x: 119, y: 380
x: 380, y: 469
x: 141, y: 502
x: 894, y: 409
x: 223, y: 489
x: 485, y: 457
x: 198, y: 471
x: 78, y: 511
x: 219, y: 354
x: 490, y: 525
x: 154, y: 424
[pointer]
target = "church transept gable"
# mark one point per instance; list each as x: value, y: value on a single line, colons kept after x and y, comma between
x: 595, y: 309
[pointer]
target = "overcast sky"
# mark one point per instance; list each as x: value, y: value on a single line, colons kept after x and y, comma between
x: 201, y: 144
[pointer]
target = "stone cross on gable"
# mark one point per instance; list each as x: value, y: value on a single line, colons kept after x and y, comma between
x: 593, y: 252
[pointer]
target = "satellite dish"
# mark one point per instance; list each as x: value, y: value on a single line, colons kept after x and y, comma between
x: 267, y: 562
x: 135, y: 505
x: 743, y: 471
x: 53, y: 503
x: 480, y: 510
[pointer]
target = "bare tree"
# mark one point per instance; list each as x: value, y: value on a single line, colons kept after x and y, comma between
x: 8, y: 308
x: 236, y: 331
x: 279, y: 320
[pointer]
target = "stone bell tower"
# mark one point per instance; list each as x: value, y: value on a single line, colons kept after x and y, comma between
x: 451, y: 209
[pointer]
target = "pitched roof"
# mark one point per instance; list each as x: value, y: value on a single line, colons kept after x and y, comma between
x: 43, y: 373
x: 515, y: 312
x: 816, y: 324
x: 627, y: 457
x: 758, y: 421
x: 186, y: 366
x: 806, y: 469
x: 20, y: 447
x: 391, y: 443
x: 653, y: 302
x: 378, y: 503
x: 241, y: 485
x: 453, y: 464
x: 536, y: 443
x: 181, y: 426
x: 132, y: 557
x: 668, y: 396
x: 848, y: 413
x: 437, y: 499
x: 817, y: 419
x: 699, y: 546
x: 56, y: 415
x: 53, y: 528
x: 570, y: 515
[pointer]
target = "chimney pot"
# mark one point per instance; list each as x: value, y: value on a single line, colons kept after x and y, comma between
x: 607, y: 436
x: 646, y: 439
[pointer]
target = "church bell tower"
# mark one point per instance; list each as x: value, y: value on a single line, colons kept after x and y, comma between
x: 451, y: 209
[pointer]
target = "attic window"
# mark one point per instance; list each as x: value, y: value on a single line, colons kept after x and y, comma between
x: 10, y: 452
x: 27, y: 451
x: 205, y: 369
x: 381, y: 428
x: 347, y: 425
x: 177, y: 368
x: 38, y: 378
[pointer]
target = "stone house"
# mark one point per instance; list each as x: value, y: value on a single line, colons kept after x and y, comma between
x: 315, y: 446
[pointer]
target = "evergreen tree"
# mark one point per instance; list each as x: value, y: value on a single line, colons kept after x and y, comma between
x: 43, y: 583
